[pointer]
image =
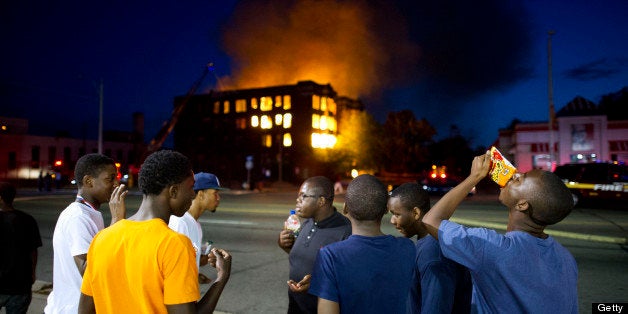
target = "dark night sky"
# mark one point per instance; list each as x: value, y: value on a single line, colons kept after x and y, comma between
x: 476, y: 64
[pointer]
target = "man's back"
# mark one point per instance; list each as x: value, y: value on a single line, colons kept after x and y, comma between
x: 513, y: 271
x: 444, y: 286
x: 138, y: 267
x: 365, y: 274
x: 19, y: 237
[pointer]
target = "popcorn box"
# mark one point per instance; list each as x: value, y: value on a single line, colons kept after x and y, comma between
x: 501, y: 169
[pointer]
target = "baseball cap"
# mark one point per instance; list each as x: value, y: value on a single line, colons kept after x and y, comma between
x: 204, y: 181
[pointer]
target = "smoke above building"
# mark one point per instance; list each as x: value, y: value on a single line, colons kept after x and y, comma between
x: 393, y: 55
x: 358, y: 47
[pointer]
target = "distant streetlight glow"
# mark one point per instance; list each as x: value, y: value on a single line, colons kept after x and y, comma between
x: 354, y: 173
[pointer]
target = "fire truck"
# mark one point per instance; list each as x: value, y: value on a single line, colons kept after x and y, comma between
x: 591, y: 181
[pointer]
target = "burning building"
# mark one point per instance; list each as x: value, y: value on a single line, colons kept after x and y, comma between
x: 276, y: 129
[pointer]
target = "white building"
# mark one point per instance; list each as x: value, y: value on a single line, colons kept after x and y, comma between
x: 583, y: 132
x: 23, y: 156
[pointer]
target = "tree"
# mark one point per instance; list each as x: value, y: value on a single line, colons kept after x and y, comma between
x: 404, y: 145
x: 453, y: 152
x: 356, y: 144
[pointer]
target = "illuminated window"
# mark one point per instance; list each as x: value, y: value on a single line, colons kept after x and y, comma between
x: 266, y: 104
x: 286, y: 102
x: 323, y: 123
x: 316, y: 102
x: 254, y: 121
x: 266, y: 122
x: 316, y: 121
x: 287, y: 120
x: 278, y: 101
x: 331, y: 105
x: 240, y: 123
x: 216, y: 107
x: 267, y: 140
x: 253, y: 103
x: 331, y: 124
x: 278, y: 118
x: 323, y: 104
x: 323, y: 140
x: 240, y: 105
x: 227, y: 105
x: 287, y: 140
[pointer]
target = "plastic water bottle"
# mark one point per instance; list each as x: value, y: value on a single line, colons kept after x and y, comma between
x: 293, y: 223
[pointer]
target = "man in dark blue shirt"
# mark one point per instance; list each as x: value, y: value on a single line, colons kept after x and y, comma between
x: 441, y: 285
x: 321, y: 225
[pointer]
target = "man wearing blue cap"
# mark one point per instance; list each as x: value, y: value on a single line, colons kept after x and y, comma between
x: 206, y: 187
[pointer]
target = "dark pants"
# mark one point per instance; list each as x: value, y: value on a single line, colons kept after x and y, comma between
x: 15, y: 303
x: 295, y: 308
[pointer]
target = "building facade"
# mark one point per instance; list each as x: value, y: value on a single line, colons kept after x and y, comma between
x: 260, y: 134
x: 583, y: 132
x: 24, y: 157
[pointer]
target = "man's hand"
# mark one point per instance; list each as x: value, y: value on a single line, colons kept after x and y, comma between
x: 211, y: 259
x: 301, y: 286
x: 286, y: 240
x: 205, y: 259
x: 480, y: 166
x: 223, y: 264
x: 117, y: 205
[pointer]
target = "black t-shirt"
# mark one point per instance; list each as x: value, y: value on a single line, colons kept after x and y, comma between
x: 312, y: 237
x: 19, y: 236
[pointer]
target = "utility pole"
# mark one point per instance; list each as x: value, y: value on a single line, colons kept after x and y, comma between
x: 100, y: 94
x: 550, y: 95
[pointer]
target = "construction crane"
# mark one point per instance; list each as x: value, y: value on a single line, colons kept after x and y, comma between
x: 168, y: 125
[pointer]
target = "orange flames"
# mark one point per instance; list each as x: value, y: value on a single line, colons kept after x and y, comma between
x: 357, y: 48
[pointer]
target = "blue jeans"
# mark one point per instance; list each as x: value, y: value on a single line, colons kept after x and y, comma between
x: 15, y: 303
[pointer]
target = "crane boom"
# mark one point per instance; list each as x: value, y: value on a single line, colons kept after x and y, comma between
x: 168, y: 125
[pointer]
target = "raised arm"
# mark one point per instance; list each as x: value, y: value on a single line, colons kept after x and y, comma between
x: 446, y: 206
x: 208, y: 302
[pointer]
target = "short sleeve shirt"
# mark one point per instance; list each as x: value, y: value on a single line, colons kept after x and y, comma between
x: 139, y: 267
x: 514, y: 272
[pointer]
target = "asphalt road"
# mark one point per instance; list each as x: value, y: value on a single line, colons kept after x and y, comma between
x: 247, y: 225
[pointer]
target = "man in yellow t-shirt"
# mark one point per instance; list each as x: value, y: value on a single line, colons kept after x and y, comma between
x: 139, y: 265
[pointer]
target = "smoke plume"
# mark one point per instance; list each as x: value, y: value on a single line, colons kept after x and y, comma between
x: 357, y: 46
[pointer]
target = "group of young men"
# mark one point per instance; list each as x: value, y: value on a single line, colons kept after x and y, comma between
x: 339, y: 262
x: 146, y: 263
x: 449, y: 269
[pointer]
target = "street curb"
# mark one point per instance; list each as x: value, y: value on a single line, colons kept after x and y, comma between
x: 564, y: 234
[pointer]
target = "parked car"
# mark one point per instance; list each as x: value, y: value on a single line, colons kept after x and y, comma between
x: 591, y: 181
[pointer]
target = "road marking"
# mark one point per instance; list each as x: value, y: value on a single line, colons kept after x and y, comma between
x: 564, y: 234
x: 226, y: 222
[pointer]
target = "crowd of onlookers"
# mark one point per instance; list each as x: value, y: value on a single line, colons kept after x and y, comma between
x: 340, y: 260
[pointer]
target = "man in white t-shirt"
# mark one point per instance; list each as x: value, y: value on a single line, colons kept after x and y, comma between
x: 96, y: 177
x: 206, y: 187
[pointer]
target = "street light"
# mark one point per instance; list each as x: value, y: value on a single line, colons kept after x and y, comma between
x: 100, y: 122
x: 550, y: 95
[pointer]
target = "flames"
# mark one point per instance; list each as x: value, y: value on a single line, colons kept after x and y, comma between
x: 346, y: 43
